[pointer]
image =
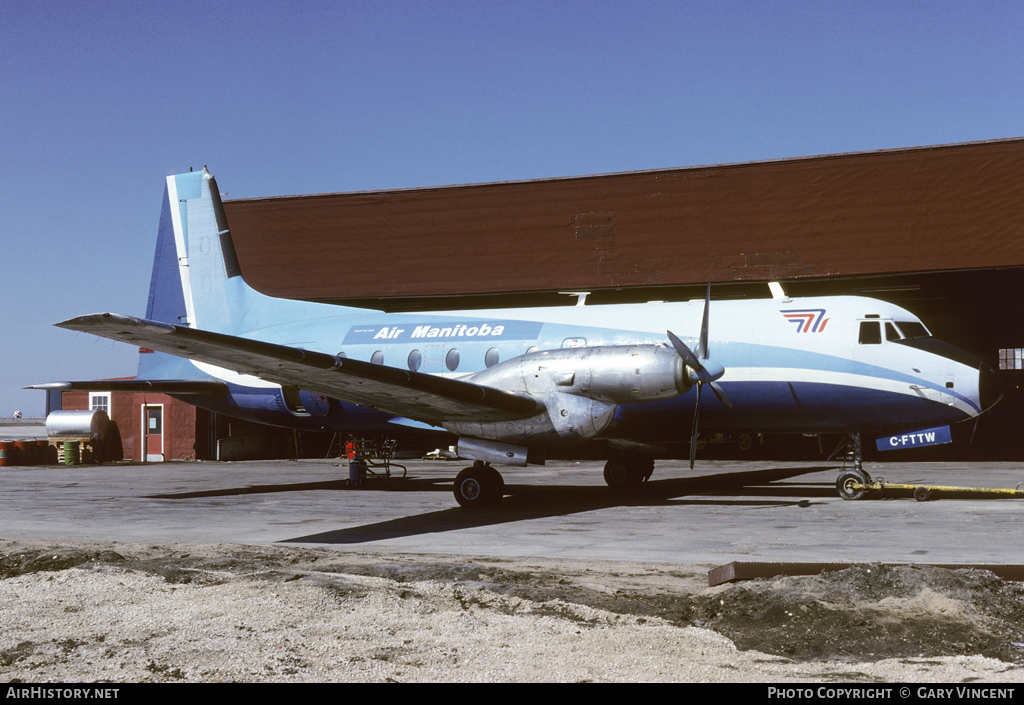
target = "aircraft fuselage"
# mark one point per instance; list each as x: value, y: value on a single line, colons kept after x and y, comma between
x: 828, y: 364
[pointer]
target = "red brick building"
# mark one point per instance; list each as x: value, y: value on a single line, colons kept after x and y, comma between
x: 153, y: 427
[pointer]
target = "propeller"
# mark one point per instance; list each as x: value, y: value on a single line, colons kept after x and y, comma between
x: 701, y: 370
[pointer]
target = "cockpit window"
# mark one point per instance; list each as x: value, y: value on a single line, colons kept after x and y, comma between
x: 891, y: 333
x: 913, y: 329
x: 870, y: 333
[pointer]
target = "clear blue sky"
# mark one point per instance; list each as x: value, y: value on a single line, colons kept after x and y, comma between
x: 99, y: 101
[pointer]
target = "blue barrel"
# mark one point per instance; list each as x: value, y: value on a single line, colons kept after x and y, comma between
x: 356, y: 472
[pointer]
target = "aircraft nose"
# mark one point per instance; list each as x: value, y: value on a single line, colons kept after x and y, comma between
x: 990, y: 387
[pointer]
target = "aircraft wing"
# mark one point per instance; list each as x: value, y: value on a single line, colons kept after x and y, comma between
x: 413, y: 395
x: 162, y: 386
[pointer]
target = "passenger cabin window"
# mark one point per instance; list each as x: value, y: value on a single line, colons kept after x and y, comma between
x: 491, y: 357
x: 451, y: 360
x: 870, y: 333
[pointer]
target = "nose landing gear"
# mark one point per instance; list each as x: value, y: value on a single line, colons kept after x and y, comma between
x: 853, y: 484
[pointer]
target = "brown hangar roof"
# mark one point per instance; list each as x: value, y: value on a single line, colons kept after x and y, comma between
x: 923, y: 209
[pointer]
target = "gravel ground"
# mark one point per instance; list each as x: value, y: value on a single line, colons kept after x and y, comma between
x: 88, y: 612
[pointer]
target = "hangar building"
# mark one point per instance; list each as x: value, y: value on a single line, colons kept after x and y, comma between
x: 938, y: 230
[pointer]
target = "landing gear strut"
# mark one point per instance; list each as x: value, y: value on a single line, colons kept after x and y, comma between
x: 479, y: 486
x: 628, y: 471
x: 852, y: 484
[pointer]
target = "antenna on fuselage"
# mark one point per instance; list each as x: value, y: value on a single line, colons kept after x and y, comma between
x: 778, y: 293
x: 581, y: 296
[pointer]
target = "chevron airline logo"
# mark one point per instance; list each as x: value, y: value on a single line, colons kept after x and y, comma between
x: 807, y: 320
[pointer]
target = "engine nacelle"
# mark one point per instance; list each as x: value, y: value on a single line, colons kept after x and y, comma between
x: 579, y: 388
x: 616, y: 374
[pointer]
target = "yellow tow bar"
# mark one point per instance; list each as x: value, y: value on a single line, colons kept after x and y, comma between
x: 851, y: 485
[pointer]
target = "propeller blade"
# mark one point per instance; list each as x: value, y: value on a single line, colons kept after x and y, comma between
x: 720, y: 393
x: 684, y: 352
x: 700, y: 374
x: 702, y: 347
x: 693, y: 437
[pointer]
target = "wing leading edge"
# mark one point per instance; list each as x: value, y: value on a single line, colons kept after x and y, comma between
x: 162, y: 386
x: 414, y: 395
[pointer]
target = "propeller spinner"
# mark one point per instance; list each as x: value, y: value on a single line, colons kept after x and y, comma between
x: 701, y: 370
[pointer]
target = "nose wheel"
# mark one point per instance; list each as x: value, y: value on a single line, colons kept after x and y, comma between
x: 479, y: 486
x: 852, y: 484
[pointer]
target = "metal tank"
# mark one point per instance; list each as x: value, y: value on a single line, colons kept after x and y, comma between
x: 78, y: 424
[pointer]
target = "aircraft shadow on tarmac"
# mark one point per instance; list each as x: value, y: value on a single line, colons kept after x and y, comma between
x: 423, y: 485
x: 524, y: 502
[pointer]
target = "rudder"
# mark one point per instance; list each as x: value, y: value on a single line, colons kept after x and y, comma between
x: 215, y: 295
x: 205, y: 266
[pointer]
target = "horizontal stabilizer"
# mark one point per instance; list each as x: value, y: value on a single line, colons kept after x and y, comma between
x: 160, y: 386
x: 414, y: 395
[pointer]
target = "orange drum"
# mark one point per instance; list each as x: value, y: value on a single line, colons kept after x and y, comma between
x: 7, y: 453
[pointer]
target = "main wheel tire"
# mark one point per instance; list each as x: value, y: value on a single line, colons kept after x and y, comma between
x: 478, y: 486
x: 623, y: 475
x: 497, y: 482
x: 646, y: 466
x: 845, y: 484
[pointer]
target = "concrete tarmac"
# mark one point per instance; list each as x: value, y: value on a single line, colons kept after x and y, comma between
x: 719, y: 512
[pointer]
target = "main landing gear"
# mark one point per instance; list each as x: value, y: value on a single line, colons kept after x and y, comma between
x: 479, y: 486
x: 628, y: 471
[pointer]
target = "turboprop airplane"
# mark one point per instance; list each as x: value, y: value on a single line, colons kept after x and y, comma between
x: 516, y: 384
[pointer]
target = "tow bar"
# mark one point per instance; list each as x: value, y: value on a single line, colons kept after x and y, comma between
x: 853, y: 485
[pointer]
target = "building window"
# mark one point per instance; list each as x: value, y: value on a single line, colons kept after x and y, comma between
x: 155, y: 420
x: 1010, y: 359
x: 100, y: 401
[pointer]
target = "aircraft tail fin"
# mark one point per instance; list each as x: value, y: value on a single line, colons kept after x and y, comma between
x: 166, y: 301
x: 197, y: 279
x: 216, y: 297
x: 214, y: 293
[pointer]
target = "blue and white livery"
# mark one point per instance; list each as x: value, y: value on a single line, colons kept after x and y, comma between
x: 517, y: 384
